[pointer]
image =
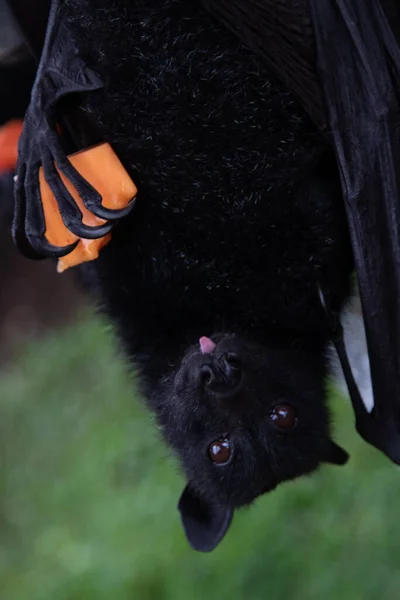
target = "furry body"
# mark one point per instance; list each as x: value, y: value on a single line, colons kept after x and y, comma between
x: 239, y: 215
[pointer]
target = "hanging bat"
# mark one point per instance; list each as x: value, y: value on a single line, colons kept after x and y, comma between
x: 246, y: 125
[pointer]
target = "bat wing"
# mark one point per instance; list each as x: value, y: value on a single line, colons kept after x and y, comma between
x: 342, y: 61
x: 359, y: 71
x: 62, y: 75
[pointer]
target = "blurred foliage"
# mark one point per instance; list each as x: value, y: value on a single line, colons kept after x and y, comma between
x: 89, y: 492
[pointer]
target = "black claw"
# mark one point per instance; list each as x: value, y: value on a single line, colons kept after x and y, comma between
x: 44, y: 249
x: 86, y: 231
x: 110, y: 214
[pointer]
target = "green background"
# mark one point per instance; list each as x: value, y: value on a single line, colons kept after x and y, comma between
x: 89, y: 492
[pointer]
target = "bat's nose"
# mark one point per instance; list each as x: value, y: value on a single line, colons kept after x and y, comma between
x: 222, y: 376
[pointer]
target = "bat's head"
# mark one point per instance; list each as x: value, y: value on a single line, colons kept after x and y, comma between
x: 243, y: 418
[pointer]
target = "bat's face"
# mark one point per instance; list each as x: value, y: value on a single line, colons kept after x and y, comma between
x: 243, y: 418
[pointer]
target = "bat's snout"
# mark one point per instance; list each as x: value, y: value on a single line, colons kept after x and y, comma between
x: 221, y: 376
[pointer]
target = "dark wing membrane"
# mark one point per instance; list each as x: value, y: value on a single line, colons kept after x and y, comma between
x: 359, y: 69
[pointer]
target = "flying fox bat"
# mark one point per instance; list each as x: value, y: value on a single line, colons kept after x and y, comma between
x: 263, y: 138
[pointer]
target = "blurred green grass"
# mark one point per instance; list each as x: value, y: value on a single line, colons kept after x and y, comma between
x: 89, y: 492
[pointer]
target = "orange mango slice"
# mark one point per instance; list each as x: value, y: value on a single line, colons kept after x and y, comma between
x: 101, y: 167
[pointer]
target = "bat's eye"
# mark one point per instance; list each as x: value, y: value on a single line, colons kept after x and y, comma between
x: 283, y: 416
x: 220, y: 451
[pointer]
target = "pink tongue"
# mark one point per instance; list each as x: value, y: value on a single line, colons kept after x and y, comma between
x: 206, y: 345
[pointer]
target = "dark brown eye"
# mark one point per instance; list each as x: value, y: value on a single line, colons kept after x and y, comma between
x: 220, y: 451
x: 283, y: 416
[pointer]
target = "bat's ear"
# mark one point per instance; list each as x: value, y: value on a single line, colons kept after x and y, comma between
x: 205, y: 523
x: 335, y: 454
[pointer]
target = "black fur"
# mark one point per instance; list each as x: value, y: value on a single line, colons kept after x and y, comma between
x: 239, y: 214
